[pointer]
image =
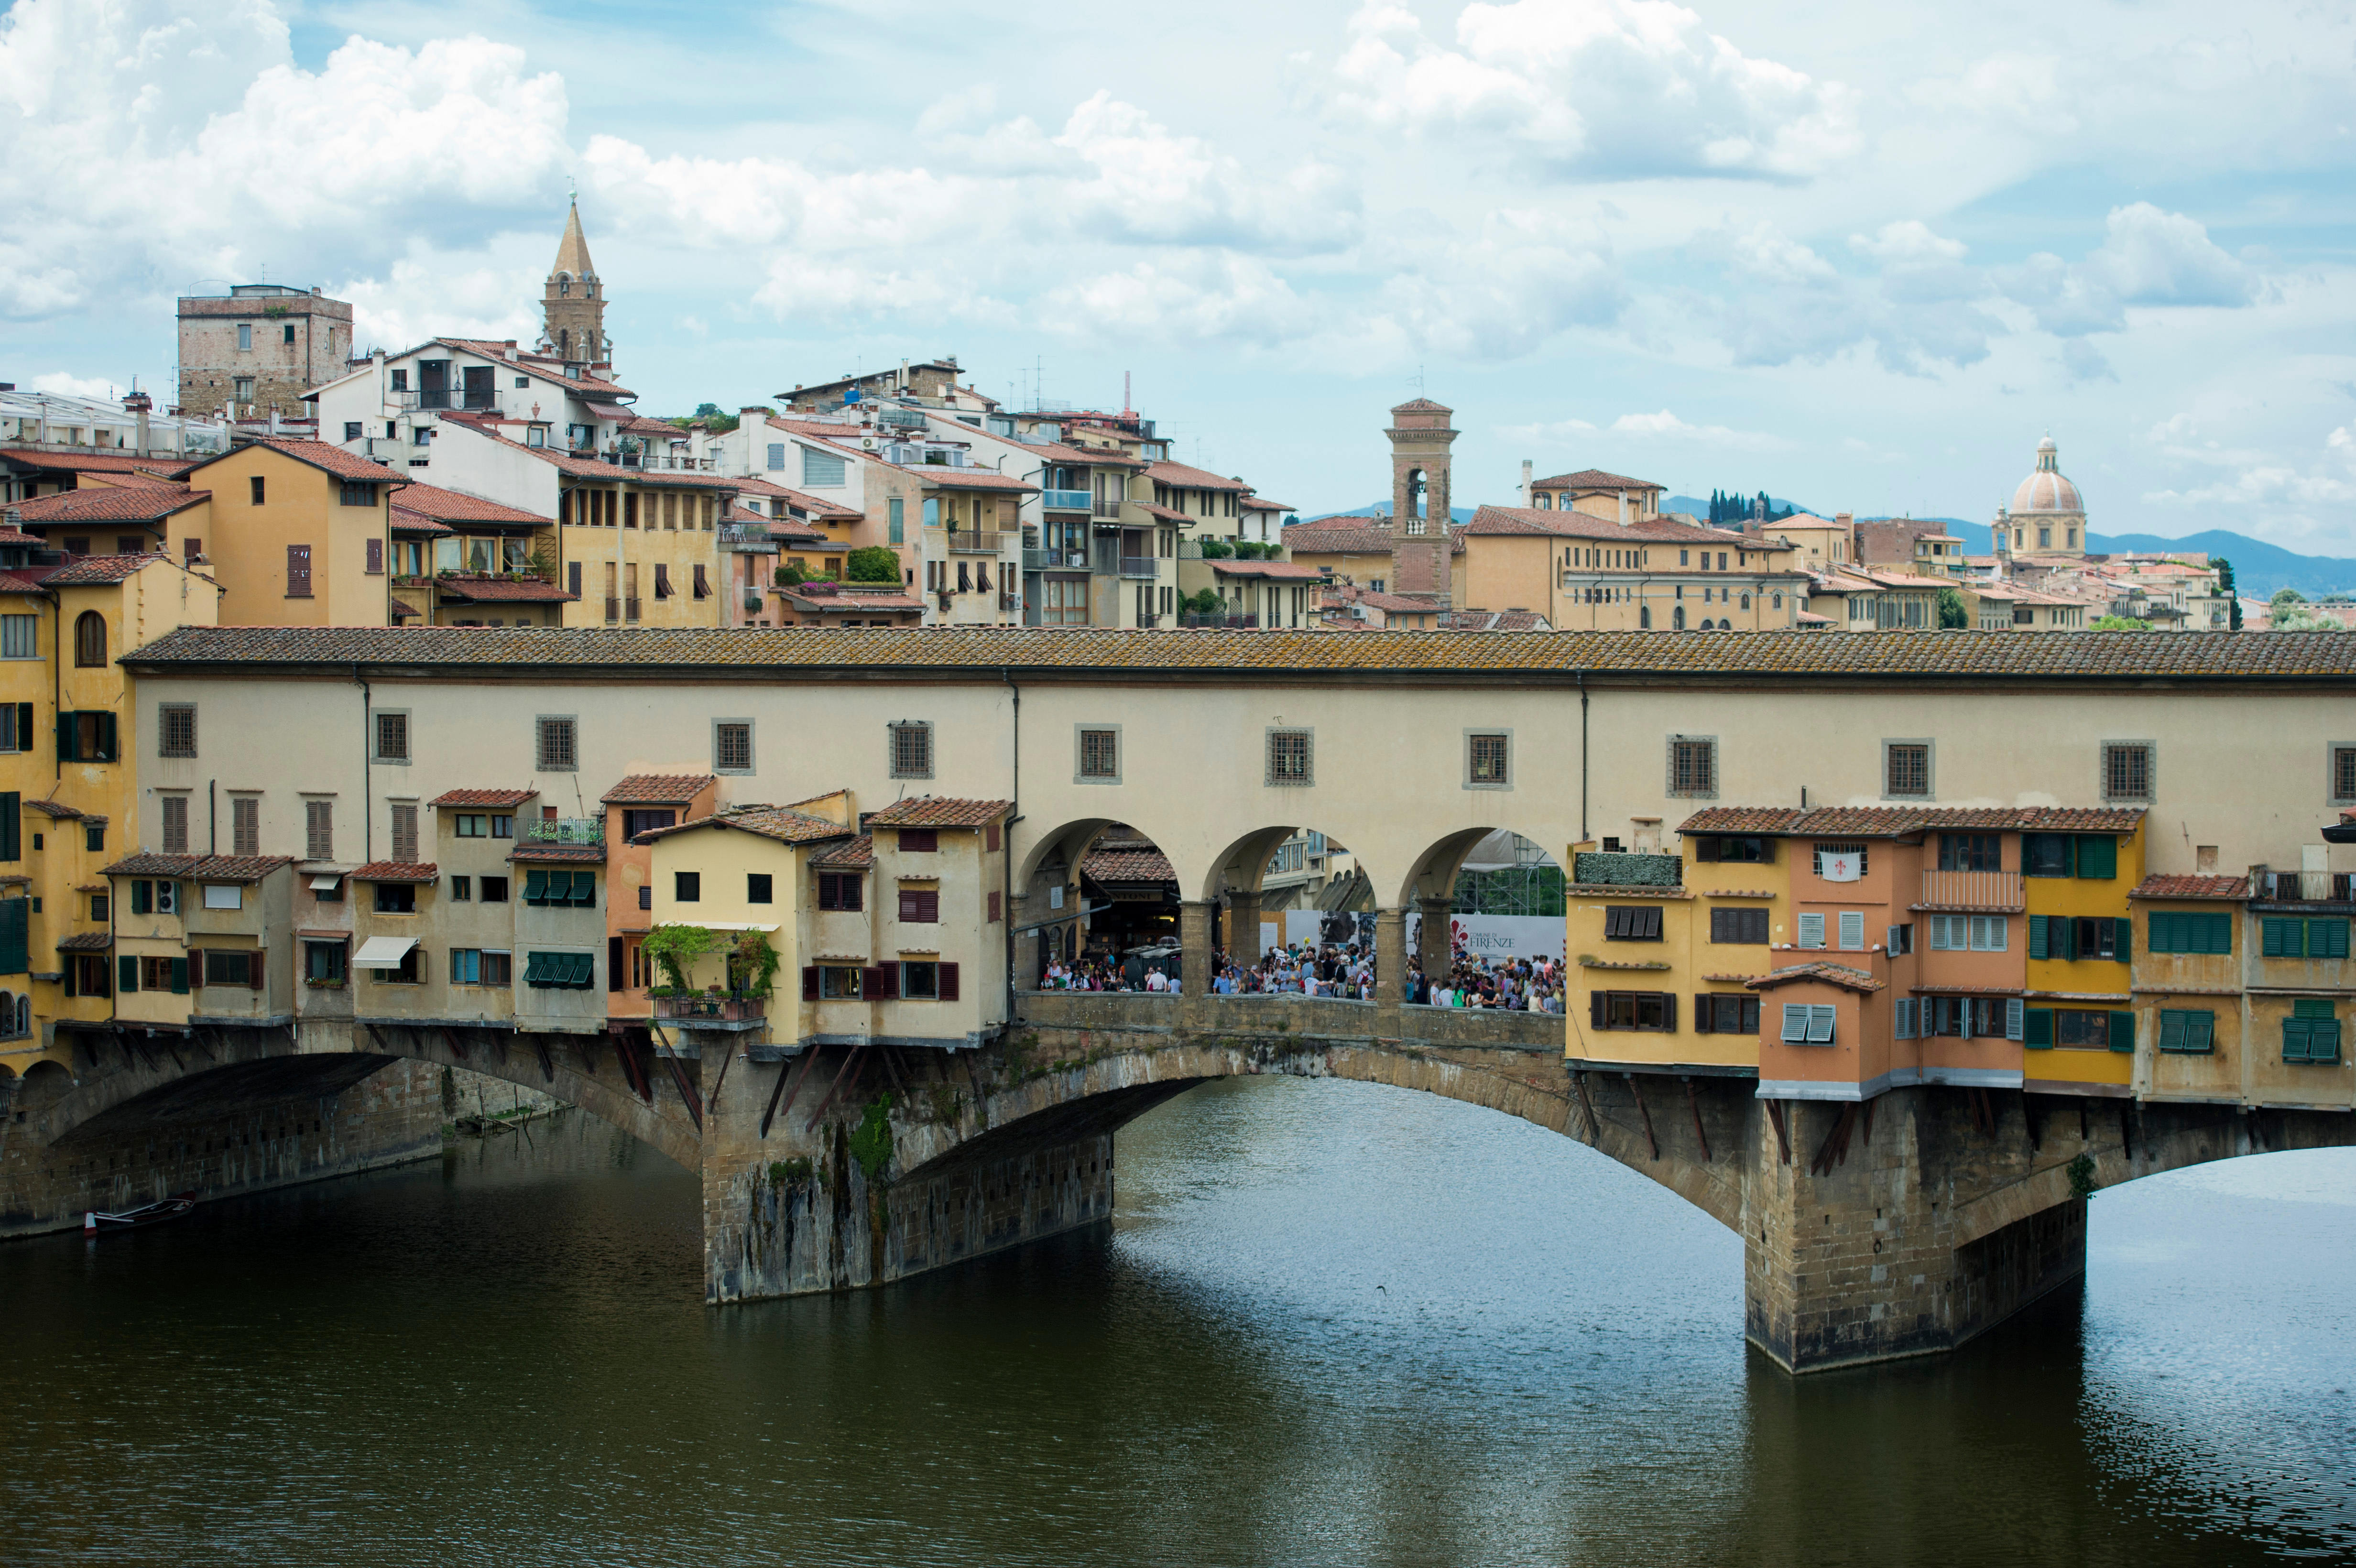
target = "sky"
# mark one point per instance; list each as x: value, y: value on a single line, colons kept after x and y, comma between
x: 1858, y: 255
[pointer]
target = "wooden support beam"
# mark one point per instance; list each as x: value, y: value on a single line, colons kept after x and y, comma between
x: 801, y: 1070
x: 1834, y: 1151
x: 2126, y: 1129
x: 720, y: 1082
x: 1783, y: 1139
x: 852, y: 1066
x: 687, y: 1095
x: 457, y: 1044
x: 1587, y: 1106
x: 1638, y: 1095
x: 547, y: 1067
x: 1865, y: 1135
x: 892, y: 1070
x: 2029, y: 1120
x: 1693, y: 1103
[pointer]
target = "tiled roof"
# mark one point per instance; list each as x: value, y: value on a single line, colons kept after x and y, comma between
x: 1492, y: 620
x: 97, y: 571
x: 1395, y: 603
x: 1651, y: 530
x: 1355, y: 536
x: 1128, y: 865
x: 942, y: 478
x: 1969, y: 657
x: 813, y: 505
x: 828, y: 598
x: 657, y: 789
x: 55, y: 810
x: 1899, y: 821
x: 790, y: 532
x: 1592, y: 479
x: 397, y: 871
x: 319, y: 454
x: 1179, y: 475
x: 484, y: 799
x: 1838, y: 973
x: 1274, y: 571
x: 573, y: 853
x: 19, y: 537
x: 851, y: 854
x: 200, y: 867
x: 502, y: 590
x: 2157, y: 887
x: 769, y: 821
x: 87, y: 941
x: 1164, y: 514
x: 1421, y: 406
x: 940, y: 811
x: 403, y: 607
x: 486, y: 425
x: 124, y: 462
x: 1262, y: 503
x: 435, y: 504
x: 411, y: 523
x: 114, y: 503
x: 548, y: 368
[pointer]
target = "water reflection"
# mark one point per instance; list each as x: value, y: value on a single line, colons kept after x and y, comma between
x: 1333, y: 1323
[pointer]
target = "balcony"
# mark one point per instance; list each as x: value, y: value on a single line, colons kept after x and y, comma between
x: 708, y: 1009
x: 1144, y: 566
x: 748, y: 538
x: 483, y: 399
x: 968, y: 542
x: 569, y: 830
x: 1995, y: 891
x: 1054, y: 560
x: 1108, y: 505
x: 1063, y: 501
x: 675, y: 462
x: 902, y: 419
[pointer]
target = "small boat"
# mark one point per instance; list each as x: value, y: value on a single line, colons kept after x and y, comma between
x: 155, y: 1214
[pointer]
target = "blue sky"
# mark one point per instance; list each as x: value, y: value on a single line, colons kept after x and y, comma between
x: 1863, y: 256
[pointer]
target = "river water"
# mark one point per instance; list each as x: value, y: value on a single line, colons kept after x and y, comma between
x: 1334, y: 1323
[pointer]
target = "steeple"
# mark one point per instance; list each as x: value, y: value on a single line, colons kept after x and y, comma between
x: 572, y: 309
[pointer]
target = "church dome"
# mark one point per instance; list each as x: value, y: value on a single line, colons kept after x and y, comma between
x: 2046, y: 490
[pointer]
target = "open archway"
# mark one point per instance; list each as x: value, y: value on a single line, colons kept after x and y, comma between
x: 1098, y: 906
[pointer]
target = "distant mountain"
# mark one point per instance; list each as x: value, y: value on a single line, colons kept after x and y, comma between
x: 1382, y: 510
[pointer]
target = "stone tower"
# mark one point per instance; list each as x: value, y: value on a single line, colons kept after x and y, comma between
x: 574, y: 309
x: 1420, y: 437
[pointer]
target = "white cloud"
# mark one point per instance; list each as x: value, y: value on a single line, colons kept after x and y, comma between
x: 1907, y: 241
x: 428, y: 296
x: 1666, y: 426
x: 1615, y: 89
x: 65, y: 385
x: 2147, y: 258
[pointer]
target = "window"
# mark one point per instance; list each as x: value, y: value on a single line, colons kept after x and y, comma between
x: 1812, y: 931
x: 481, y: 966
x: 636, y: 822
x: 1987, y: 933
x: 2302, y: 938
x: 1742, y: 850
x: 355, y: 493
x: 1726, y: 1015
x: 1292, y: 758
x: 2049, y: 854
x: 920, y: 841
x: 1808, y: 1023
x: 232, y: 966
x: 409, y: 971
x: 920, y: 981
x: 920, y: 906
x: 702, y: 584
x: 759, y: 886
x: 2188, y: 932
x: 324, y: 961
x: 176, y: 726
x: 2343, y: 770
x: 1647, y: 1010
x: 1971, y: 852
x: 1852, y: 931
x: 2311, y: 1033
x: 1099, y: 755
x: 245, y: 824
x: 245, y: 337
x: 687, y: 887
x: 839, y: 890
x: 560, y: 971
x: 1834, y: 862
x: 1486, y: 760
x: 838, y: 983
x: 255, y: 489
x: 777, y: 457
x: 396, y: 898
x: 86, y: 736
x: 176, y: 824
x: 492, y: 890
x: 1693, y: 767
x: 1743, y: 926
x: 1637, y: 922
x: 2098, y: 938
x: 911, y: 749
x: 824, y: 469
x: 662, y: 580
x: 405, y: 832
x: 89, y: 640
x: 1906, y: 767
x: 2127, y: 770
x: 471, y: 824
x: 20, y: 636
x: 393, y: 737
x: 732, y: 746
x: 2079, y: 1028
x: 556, y: 750
x: 462, y: 889
x: 2187, y: 1032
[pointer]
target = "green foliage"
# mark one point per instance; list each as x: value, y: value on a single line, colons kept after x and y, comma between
x: 2286, y: 596
x: 790, y: 1172
x: 870, y: 1140
x: 2118, y: 624
x: 1731, y: 507
x: 1216, y: 549
x: 2299, y: 618
x: 1204, y: 603
x: 1954, y: 615
x: 674, y: 947
x: 2225, y: 571
x: 1253, y: 549
x: 2082, y: 1176
x: 753, y: 965
x: 871, y: 564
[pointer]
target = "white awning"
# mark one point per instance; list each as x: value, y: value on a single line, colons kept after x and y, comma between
x: 382, y: 951
x: 728, y: 925
x: 326, y: 884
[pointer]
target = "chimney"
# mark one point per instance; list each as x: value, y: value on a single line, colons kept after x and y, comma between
x: 1624, y: 508
x: 1527, y: 499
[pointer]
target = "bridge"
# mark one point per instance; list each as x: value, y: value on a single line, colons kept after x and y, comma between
x: 1901, y: 1226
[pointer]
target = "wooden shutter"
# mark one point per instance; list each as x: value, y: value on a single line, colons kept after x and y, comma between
x: 23, y: 726
x: 2122, y: 1031
x: 613, y: 966
x: 298, y: 570
x: 2123, y: 939
x: 126, y: 974
x: 2171, y: 1031
x: 2217, y: 937
x: 179, y: 977
x: 12, y: 826
x: 2040, y: 935
x: 253, y: 970
x: 2280, y: 938
x: 404, y: 834
x: 1595, y: 1008
x: 997, y: 910
x: 2098, y: 856
x: 1668, y: 1007
x: 948, y: 973
x: 809, y: 983
x: 2013, y: 1008
x: 2326, y: 939
x: 375, y: 555
x: 1812, y: 930
x: 883, y: 981
x: 1705, y: 1017
x: 16, y: 950
x: 1796, y: 1023
x: 107, y: 748
x: 2036, y: 1028
x: 2163, y: 933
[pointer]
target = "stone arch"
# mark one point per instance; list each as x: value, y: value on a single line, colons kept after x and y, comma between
x: 1056, y: 859
x: 1237, y: 879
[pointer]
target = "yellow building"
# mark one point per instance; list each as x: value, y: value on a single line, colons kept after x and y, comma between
x: 1584, y: 572
x: 461, y: 560
x: 2007, y: 607
x: 298, y: 533
x: 2080, y: 1019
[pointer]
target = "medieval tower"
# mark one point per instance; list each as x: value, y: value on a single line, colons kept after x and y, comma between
x: 574, y: 309
x: 1420, y: 437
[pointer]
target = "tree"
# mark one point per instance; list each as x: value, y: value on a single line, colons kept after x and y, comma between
x: 1954, y: 615
x: 2299, y: 618
x: 871, y: 564
x: 2285, y: 596
x: 2225, y: 571
x: 2118, y: 624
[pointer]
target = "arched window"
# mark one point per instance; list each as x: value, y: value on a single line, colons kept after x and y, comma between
x: 1645, y: 618
x: 24, y: 1015
x: 1677, y: 619
x: 1779, y: 602
x: 89, y: 640
x: 1746, y: 601
x: 564, y: 284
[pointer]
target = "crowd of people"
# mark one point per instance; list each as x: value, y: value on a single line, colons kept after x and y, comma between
x: 1343, y: 970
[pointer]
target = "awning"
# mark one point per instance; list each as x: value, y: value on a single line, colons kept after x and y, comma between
x: 561, y: 971
x: 728, y: 925
x: 383, y: 952
x: 327, y: 884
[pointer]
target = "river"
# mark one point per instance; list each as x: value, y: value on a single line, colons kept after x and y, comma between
x: 1333, y: 1323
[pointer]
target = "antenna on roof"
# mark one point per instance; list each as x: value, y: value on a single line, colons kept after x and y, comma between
x: 1125, y: 406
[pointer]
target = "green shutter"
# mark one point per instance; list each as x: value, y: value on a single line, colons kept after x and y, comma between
x: 15, y: 954
x: 142, y: 895
x: 2123, y: 947
x: 2294, y: 1039
x: 12, y: 826
x: 536, y: 969
x: 584, y: 889
x: 2326, y: 939
x: 535, y: 892
x: 2282, y: 938
x: 106, y: 749
x: 2061, y: 940
x: 2098, y: 856
x: 2037, y: 1028
x: 2311, y: 1007
x: 2162, y: 932
x: 179, y: 977
x: 2210, y: 933
x: 66, y: 737
x: 2122, y: 1031
x: 2068, y: 855
x: 2200, y: 1032
x: 585, y: 968
x: 126, y: 974
x: 2171, y: 1031
x: 2037, y: 935
x: 2323, y: 1039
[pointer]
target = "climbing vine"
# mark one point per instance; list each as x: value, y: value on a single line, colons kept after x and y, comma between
x: 870, y: 1140
x: 2082, y: 1176
x: 674, y: 947
x: 753, y: 966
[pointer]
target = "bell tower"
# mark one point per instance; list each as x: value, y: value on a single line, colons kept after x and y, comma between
x: 572, y: 311
x: 1420, y: 437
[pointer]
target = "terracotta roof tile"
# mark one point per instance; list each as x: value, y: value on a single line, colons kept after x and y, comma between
x: 768, y: 821
x: 124, y: 462
x: 1902, y: 821
x: 97, y: 571
x: 1181, y: 476
x: 1262, y: 503
x: 1592, y: 479
x: 87, y: 941
x: 852, y: 855
x: 434, y: 503
x: 1651, y: 530
x: 1838, y: 973
x: 114, y: 503
x: 1421, y: 406
x: 940, y: 811
x: 942, y: 478
x: 319, y: 454
x: 488, y: 799
x: 55, y: 810
x: 1914, y: 657
x: 486, y: 425
x: 501, y: 590
x: 2157, y: 887
x: 571, y: 854
x: 657, y: 789
x: 1128, y: 865
x: 397, y: 871
x: 200, y: 868
x: 1273, y: 570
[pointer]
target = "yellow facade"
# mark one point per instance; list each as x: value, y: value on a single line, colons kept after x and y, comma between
x: 643, y: 555
x: 2089, y: 983
x: 1682, y: 960
x: 283, y: 545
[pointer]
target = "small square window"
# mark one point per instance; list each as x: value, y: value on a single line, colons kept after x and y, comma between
x: 732, y: 746
x: 1291, y: 757
x: 687, y: 887
x: 1488, y: 757
x: 494, y: 891
x: 1101, y: 755
x: 758, y: 888
x: 393, y: 737
x: 1693, y: 766
x: 1906, y: 768
x: 2127, y: 770
x: 557, y: 749
x: 911, y: 750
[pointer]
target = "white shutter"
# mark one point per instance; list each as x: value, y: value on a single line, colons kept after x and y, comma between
x: 1796, y: 1022
x: 824, y: 469
x: 1903, y: 1028
x: 1852, y: 930
x: 1820, y: 1025
x: 1890, y: 942
x: 777, y: 455
x: 2013, y: 1008
x: 1812, y: 931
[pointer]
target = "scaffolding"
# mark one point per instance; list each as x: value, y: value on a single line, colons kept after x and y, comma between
x: 1507, y: 874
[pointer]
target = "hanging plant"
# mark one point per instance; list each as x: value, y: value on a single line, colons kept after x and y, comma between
x: 674, y: 948
x: 752, y: 965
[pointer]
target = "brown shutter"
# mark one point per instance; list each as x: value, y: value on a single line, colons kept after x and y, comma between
x: 1670, y: 1010
x: 809, y: 983
x: 948, y: 983
x: 907, y: 906
x: 928, y: 907
x: 1704, y: 1023
x: 613, y: 975
x: 885, y: 981
x: 996, y: 913
x: 298, y: 570
x: 375, y: 555
x: 1595, y: 1008
x: 253, y: 970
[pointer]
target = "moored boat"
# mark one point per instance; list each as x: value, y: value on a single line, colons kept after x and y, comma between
x: 172, y: 1207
